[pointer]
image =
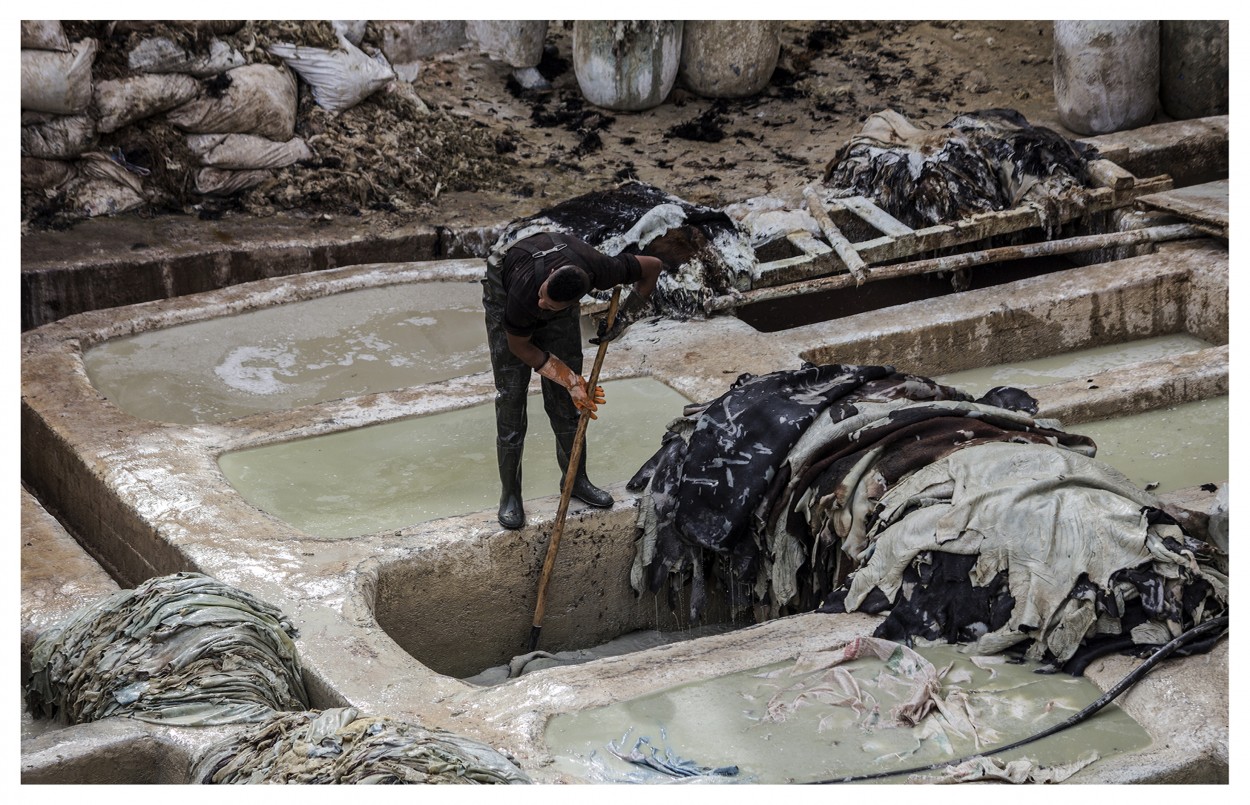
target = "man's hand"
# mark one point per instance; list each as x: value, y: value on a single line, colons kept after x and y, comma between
x: 584, y: 401
x: 558, y: 371
x: 633, y: 308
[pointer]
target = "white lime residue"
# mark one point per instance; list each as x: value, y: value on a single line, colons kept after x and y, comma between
x: 255, y: 370
x: 339, y: 346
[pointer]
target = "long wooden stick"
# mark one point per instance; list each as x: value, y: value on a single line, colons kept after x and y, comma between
x: 570, y: 477
x: 844, y: 248
x: 1047, y: 248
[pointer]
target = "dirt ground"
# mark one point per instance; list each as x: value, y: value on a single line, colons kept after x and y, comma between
x: 830, y: 76
x: 522, y: 152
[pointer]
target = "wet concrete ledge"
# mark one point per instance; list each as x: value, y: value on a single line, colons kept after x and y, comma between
x: 58, y: 576
x: 1179, y: 704
x: 105, y: 263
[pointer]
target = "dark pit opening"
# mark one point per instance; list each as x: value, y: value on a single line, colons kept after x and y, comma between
x: 797, y: 311
x: 469, y: 606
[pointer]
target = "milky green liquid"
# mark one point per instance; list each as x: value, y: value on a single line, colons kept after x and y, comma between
x: 720, y: 722
x: 353, y: 343
x: 1076, y: 365
x: 1177, y: 447
x: 400, y: 473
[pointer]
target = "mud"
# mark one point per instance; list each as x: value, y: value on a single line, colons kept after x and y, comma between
x: 388, y: 165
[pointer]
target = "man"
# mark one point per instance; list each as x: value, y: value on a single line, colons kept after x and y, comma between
x: 532, y: 323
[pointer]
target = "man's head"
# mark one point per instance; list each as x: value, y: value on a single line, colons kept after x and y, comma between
x: 563, y: 287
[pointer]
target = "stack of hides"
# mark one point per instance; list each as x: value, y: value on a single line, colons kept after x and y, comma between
x: 858, y: 488
x: 183, y: 649
x: 343, y: 746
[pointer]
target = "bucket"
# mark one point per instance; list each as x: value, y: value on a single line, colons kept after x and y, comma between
x: 728, y: 58
x: 1193, y: 68
x: 626, y: 65
x: 1106, y: 74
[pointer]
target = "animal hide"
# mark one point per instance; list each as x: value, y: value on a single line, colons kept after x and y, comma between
x: 978, y: 162
x: 858, y: 488
x: 707, y: 254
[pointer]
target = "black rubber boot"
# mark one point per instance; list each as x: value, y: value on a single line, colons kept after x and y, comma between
x: 583, y: 489
x: 511, y: 512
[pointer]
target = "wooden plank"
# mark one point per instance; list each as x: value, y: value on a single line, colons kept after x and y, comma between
x: 984, y: 225
x: 975, y: 228
x: 843, y: 247
x: 794, y: 269
x: 874, y: 216
x: 1106, y: 173
x: 1204, y: 204
x: 808, y: 243
x: 954, y: 262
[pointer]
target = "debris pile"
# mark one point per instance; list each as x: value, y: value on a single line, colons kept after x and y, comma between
x: 978, y: 162
x: 857, y: 488
x: 212, y: 115
x: 342, y: 746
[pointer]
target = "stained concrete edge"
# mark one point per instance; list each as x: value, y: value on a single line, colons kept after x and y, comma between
x: 58, y: 576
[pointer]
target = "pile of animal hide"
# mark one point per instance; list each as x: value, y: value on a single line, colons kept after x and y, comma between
x: 183, y: 649
x: 857, y: 488
x: 706, y: 252
x: 341, y: 746
x: 978, y: 162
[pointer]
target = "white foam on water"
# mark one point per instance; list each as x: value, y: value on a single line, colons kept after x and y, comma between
x: 237, y: 371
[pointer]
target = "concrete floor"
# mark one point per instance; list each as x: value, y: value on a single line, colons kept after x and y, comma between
x: 149, y: 499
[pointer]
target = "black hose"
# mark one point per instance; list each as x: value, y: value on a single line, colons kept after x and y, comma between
x: 1183, y: 639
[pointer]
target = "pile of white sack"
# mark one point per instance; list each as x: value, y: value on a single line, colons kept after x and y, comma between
x: 236, y: 107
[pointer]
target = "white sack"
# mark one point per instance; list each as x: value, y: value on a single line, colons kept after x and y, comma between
x: 58, y: 82
x: 98, y: 165
x: 59, y: 137
x: 246, y: 151
x: 218, y: 182
x: 516, y: 43
x: 45, y: 174
x: 351, y: 30
x: 162, y: 55
x: 199, y: 27
x: 408, y: 41
x: 93, y: 197
x: 44, y: 35
x: 340, y: 79
x: 260, y: 100
x: 103, y: 187
x: 118, y: 103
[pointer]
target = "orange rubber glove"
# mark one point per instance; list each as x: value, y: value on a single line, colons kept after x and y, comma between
x: 558, y: 371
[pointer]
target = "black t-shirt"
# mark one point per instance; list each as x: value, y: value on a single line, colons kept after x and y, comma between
x: 522, y: 316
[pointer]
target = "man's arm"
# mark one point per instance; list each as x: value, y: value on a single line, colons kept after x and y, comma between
x: 554, y: 369
x: 524, y: 348
x: 651, y: 268
x: 635, y: 304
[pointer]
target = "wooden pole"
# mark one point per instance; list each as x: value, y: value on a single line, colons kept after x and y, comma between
x: 1083, y: 243
x: 844, y: 248
x: 570, y: 477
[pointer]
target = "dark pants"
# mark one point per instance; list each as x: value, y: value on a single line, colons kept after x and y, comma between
x: 562, y: 337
